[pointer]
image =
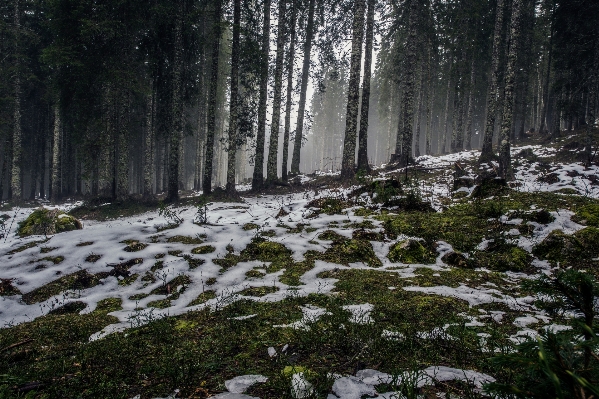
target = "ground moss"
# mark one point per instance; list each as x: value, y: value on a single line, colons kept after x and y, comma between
x: 502, y: 258
x: 160, y: 304
x: 204, y: 249
x: 250, y: 226
x: 7, y: 288
x: 44, y: 221
x: 259, y: 291
x: 329, y: 205
x: 254, y: 274
x: 54, y: 259
x: 186, y: 240
x: 92, y: 258
x: 588, y: 215
x: 202, y: 298
x: 346, y: 251
x: 410, y: 251
x: 76, y: 281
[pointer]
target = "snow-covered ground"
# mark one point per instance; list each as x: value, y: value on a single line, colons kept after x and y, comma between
x: 28, y: 270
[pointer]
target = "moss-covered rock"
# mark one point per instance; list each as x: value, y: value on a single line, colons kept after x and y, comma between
x: 588, y: 215
x: 47, y: 222
x: 347, y: 251
x: 410, y: 251
x: 558, y: 247
x: 501, y: 258
x: 455, y: 259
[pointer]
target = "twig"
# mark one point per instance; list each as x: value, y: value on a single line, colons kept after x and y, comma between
x: 9, y: 347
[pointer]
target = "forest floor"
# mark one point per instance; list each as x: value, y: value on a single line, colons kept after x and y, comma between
x: 389, y: 285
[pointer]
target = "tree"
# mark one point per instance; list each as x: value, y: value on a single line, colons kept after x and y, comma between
x: 363, y: 135
x: 508, y: 106
x: 299, y: 129
x: 290, y: 70
x: 492, y: 93
x: 353, y: 93
x: 273, y: 148
x: 234, y: 100
x: 258, y: 179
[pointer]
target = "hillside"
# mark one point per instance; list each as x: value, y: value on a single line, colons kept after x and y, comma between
x: 408, y: 281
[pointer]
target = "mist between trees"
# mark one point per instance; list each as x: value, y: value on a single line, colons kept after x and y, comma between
x: 130, y: 97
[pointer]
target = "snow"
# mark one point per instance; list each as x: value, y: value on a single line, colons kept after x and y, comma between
x: 360, y: 314
x: 242, y: 383
x: 300, y: 387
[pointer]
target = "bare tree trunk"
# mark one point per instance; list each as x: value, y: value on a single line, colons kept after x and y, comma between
x: 17, y: 146
x: 176, y: 128
x: 234, y: 101
x: 508, y: 106
x: 273, y: 148
x: 148, y: 160
x: 258, y: 177
x: 407, y: 113
x: 55, y: 183
x: 442, y: 145
x: 290, y: 64
x: 492, y: 94
x: 430, y: 102
x: 545, y: 104
x: 212, y: 98
x: 363, y: 135
x: 469, y: 117
x: 299, y: 130
x: 419, y: 112
x: 353, y: 92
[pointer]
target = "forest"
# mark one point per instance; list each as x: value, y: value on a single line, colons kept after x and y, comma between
x: 299, y: 199
x: 144, y: 98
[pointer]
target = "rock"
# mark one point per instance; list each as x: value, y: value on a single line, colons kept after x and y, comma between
x: 48, y: 222
x: 455, y: 259
x: 410, y: 251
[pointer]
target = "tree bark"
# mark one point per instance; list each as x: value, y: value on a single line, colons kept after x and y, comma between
x: 442, y: 145
x: 408, y: 95
x: 55, y: 182
x: 258, y: 176
x: 545, y: 104
x: 212, y: 98
x: 234, y: 100
x: 176, y: 133
x: 348, y: 162
x: 299, y: 129
x: 290, y: 65
x: 508, y: 106
x: 363, y: 135
x: 17, y: 146
x: 470, y: 114
x: 430, y: 102
x: 419, y: 112
x: 492, y: 94
x: 273, y: 148
x: 148, y: 160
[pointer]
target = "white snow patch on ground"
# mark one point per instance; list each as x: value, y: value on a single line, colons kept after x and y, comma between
x: 242, y: 383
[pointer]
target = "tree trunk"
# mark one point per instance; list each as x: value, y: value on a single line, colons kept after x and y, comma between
x: 442, y: 145
x: 508, y: 106
x: 363, y: 136
x: 176, y: 133
x: 290, y: 65
x: 408, y: 95
x: 299, y: 129
x: 234, y: 100
x: 469, y: 117
x: 258, y: 176
x: 212, y: 98
x: 545, y: 104
x: 55, y: 181
x: 148, y: 160
x: 430, y: 102
x: 492, y: 94
x: 17, y: 146
x: 353, y: 92
x: 273, y: 148
x: 419, y: 111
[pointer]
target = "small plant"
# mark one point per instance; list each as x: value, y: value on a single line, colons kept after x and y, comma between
x: 563, y: 364
x: 201, y: 216
x: 169, y: 213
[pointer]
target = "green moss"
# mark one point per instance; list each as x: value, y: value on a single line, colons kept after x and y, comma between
x: 588, y: 215
x: 410, y: 251
x: 54, y: 259
x: 364, y: 212
x: 7, y: 288
x: 204, y: 249
x: 160, y: 304
x: 502, y: 258
x: 228, y: 261
x: 134, y: 246
x: 128, y: 280
x: 330, y: 235
x: 268, y: 233
x: 193, y: 262
x: 45, y: 250
x: 85, y: 244
x: 175, y: 252
x: 92, y: 258
x: 44, y: 221
x: 329, y: 205
x: 109, y: 305
x: 265, y: 251
x: 254, y: 274
x: 76, y: 281
x: 347, y: 251
x: 186, y: 240
x: 259, y: 291
x: 202, y: 298
x: 138, y: 297
x: 250, y: 226
x: 25, y: 247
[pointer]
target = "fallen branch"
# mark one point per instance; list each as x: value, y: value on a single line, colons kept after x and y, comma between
x: 9, y: 347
